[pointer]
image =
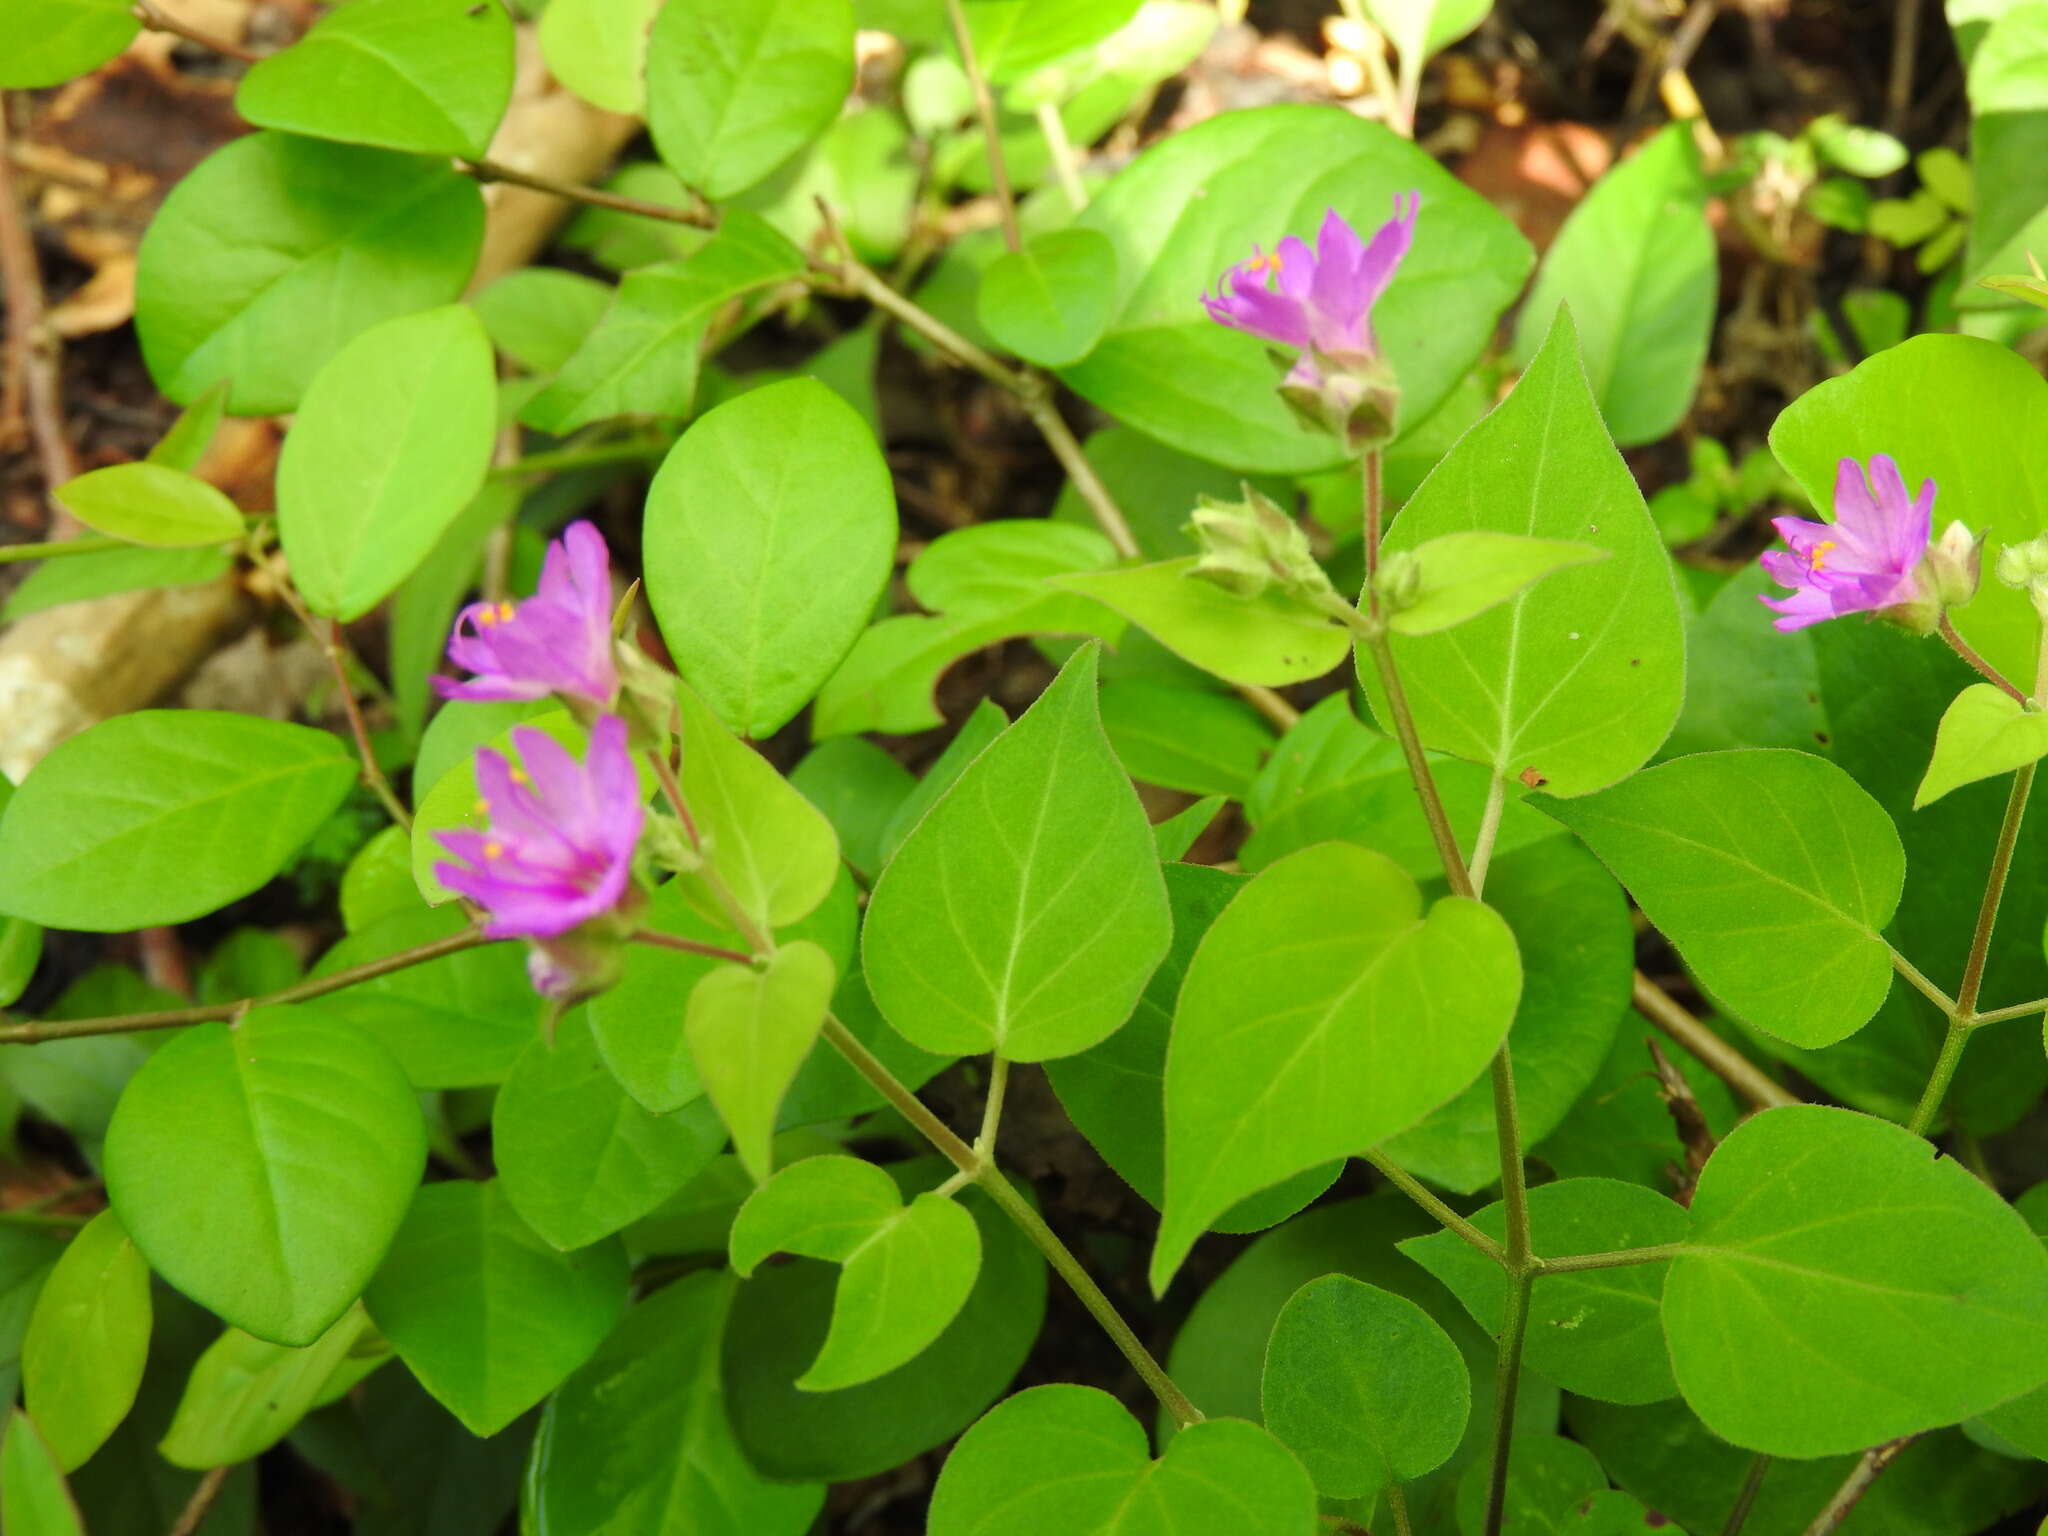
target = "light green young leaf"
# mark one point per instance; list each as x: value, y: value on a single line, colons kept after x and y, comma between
x: 2008, y: 90
x: 429, y: 76
x: 769, y: 535
x: 1174, y: 836
x: 639, y: 1440
x: 1986, y: 732
x: 87, y: 1341
x: 598, y: 49
x: 391, y: 443
x: 1579, y: 679
x: 577, y: 1157
x: 733, y: 90
x: 1324, y: 1012
x: 486, y: 1314
x: 1012, y: 38
x: 244, y: 1394
x: 749, y: 1031
x: 1073, y: 1460
x: 1025, y: 912
x: 2032, y: 289
x: 147, y: 503
x: 164, y: 815
x: 129, y: 568
x: 539, y: 316
x: 34, y: 1500
x: 277, y: 250
x: 263, y: 1169
x: 1049, y: 301
x: 1271, y: 639
x: 1363, y: 1386
x: 1593, y: 1332
x: 1422, y: 29
x: 53, y: 41
x: 906, y: 1270
x: 1460, y: 575
x: 21, y: 950
x: 1772, y: 872
x: 186, y: 443
x: 1879, y: 1290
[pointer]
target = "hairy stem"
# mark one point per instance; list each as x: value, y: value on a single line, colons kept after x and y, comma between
x: 992, y: 1111
x: 1614, y: 1258
x: 1423, y: 1196
x: 1489, y: 831
x: 1856, y: 1484
x: 1507, y: 1376
x: 1397, y: 1506
x: 1968, y: 652
x: 1922, y: 983
x: 1382, y: 653
x: 2016, y: 1011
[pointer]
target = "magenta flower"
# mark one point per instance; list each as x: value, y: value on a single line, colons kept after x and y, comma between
x: 557, y: 641
x: 558, y: 849
x: 1318, y: 300
x: 1868, y: 559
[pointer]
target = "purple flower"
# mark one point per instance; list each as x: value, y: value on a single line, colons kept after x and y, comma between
x: 558, y: 850
x: 557, y: 641
x: 1868, y: 559
x: 1320, y: 300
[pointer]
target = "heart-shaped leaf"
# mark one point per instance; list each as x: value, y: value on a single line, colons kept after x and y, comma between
x: 1984, y: 733
x: 1324, y: 1013
x: 1073, y: 1460
x: 749, y: 1031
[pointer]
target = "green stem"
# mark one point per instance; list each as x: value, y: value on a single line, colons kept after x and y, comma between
x: 1945, y: 1063
x: 1489, y: 831
x: 37, y: 1031
x: 57, y: 549
x: 1397, y: 1506
x: 1065, y: 163
x: 2016, y: 1011
x: 596, y: 455
x: 985, y: 110
x: 1968, y: 652
x: 1614, y: 1258
x: 659, y: 940
x: 1382, y: 653
x: 1507, y: 1124
x: 1372, y: 527
x: 1507, y: 1376
x: 1415, y: 1190
x: 698, y: 215
x: 1738, y: 1513
x: 992, y: 1111
x: 1922, y: 984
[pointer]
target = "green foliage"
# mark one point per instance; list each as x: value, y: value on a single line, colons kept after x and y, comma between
x: 151, y: 504
x: 1271, y: 639
x: 1049, y: 301
x: 33, y: 1497
x: 1458, y: 576
x: 53, y: 40
x: 87, y: 1341
x: 245, y: 1394
x: 749, y: 1031
x: 1984, y: 734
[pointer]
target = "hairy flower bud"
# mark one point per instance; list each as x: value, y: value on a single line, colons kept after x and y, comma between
x: 1252, y: 544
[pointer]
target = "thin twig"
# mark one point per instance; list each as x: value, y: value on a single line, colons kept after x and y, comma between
x: 1856, y: 1484
x: 985, y: 109
x: 1716, y: 1054
x: 200, y: 1505
x: 159, y: 21
x: 1752, y: 1485
x: 31, y: 373
x: 338, y: 657
x: 57, y: 549
x: 655, y: 938
x: 697, y: 215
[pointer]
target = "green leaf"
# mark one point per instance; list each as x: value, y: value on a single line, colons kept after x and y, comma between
x: 87, y: 1341
x: 423, y: 609
x: 1025, y: 912
x: 391, y: 442
x: 1195, y: 203
x: 34, y: 1500
x: 1421, y: 29
x: 1969, y: 414
x: 21, y: 950
x: 749, y: 1031
x: 1013, y: 38
x: 1461, y: 575
x: 1621, y: 1127
x: 57, y: 40
x: 539, y: 316
x: 1115, y: 1091
x: 1184, y: 738
x: 643, y: 357
x: 1877, y: 1290
x: 486, y: 1314
x: 1363, y: 1386
x: 860, y: 788
x: 1157, y: 487
x: 1746, y: 684
x: 1049, y: 301
x: 1594, y: 1332
x: 1324, y: 1012
x: 2008, y: 90
x: 2032, y: 289
x: 1984, y: 734
x: 162, y: 816
x: 276, y: 251
x: 598, y: 49
x: 577, y: 1158
x: 1771, y: 871
x: 770, y: 532
x: 777, y: 855
x: 985, y: 584
x: 245, y: 1394
x: 1580, y: 678
x: 1271, y: 639
x: 75, y: 578
x: 1549, y: 1478
x: 1859, y: 151
x: 149, y: 504
x: 734, y: 90
x: 1073, y: 1460
x: 1174, y: 836
x: 432, y: 76
x: 191, y: 435
x: 263, y: 1168
x: 638, y: 1440
x: 906, y: 1270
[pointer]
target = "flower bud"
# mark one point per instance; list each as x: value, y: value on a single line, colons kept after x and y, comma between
x: 1399, y: 579
x: 2021, y: 565
x: 669, y: 846
x: 1953, y: 566
x: 1252, y: 544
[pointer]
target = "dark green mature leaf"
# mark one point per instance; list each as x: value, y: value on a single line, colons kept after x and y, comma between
x: 391, y: 442
x: 1594, y: 1332
x: 430, y: 76
x: 1876, y: 1290
x: 638, y: 1440
x: 163, y: 815
x: 1579, y: 679
x: 1196, y: 202
x: 277, y: 250
x: 1549, y: 1479
x: 55, y: 40
x: 1049, y: 301
x: 1635, y: 265
x: 488, y: 1316
x: 769, y: 535
x: 87, y: 1341
x: 1324, y: 1012
x: 1771, y: 871
x: 1072, y: 1459
x: 1185, y: 738
x: 734, y: 90
x: 781, y: 1317
x: 150, y: 504
x: 1024, y: 914
x: 860, y: 788
x: 1363, y: 1386
x: 262, y: 1169
x: 1746, y: 684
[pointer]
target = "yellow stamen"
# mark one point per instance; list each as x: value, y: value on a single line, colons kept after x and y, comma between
x: 487, y: 617
x: 505, y: 612
x: 1262, y: 262
x: 519, y: 776
x: 483, y: 806
x: 494, y: 850
x: 1820, y: 553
